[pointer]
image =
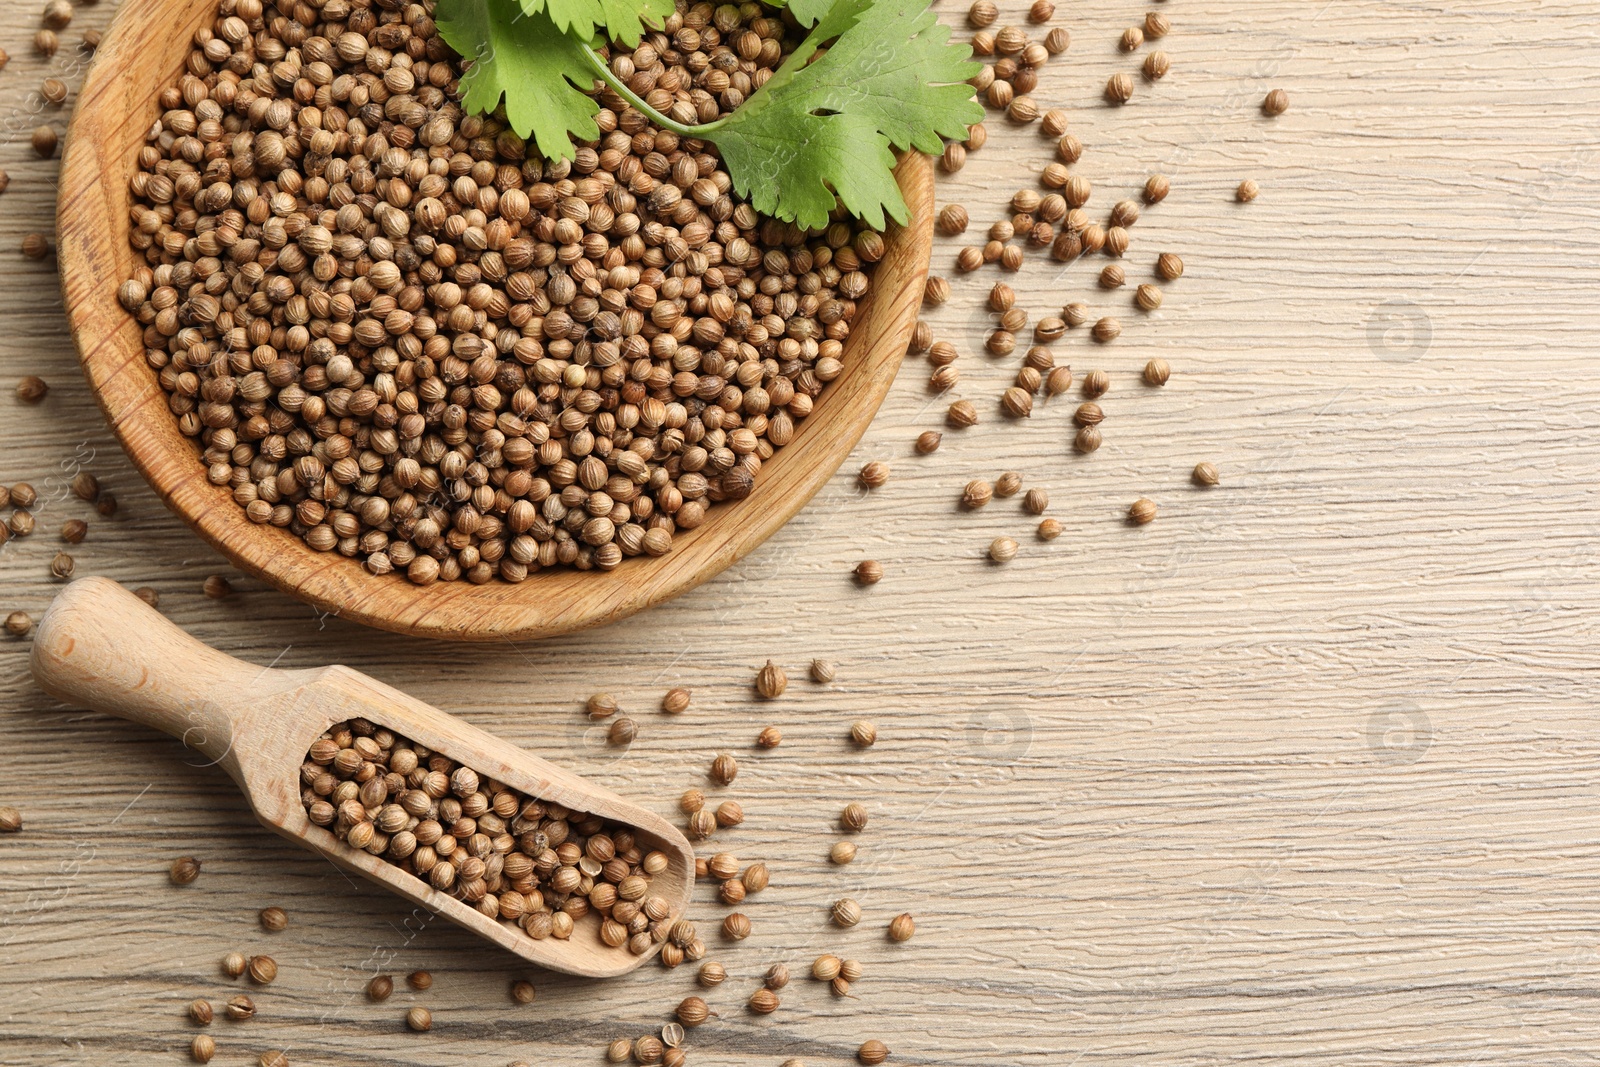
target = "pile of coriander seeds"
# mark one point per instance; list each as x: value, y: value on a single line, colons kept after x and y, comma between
x: 527, y: 862
x: 403, y: 337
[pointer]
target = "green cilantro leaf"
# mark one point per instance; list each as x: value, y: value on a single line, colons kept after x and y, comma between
x: 615, y: 20
x: 806, y: 12
x: 542, y: 73
x: 890, y: 79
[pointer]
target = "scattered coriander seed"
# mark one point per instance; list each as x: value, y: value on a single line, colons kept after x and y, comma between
x: 1116, y: 241
x: 21, y: 522
x: 977, y: 494
x: 623, y: 731
x: 982, y: 43
x: 731, y: 892
x: 10, y: 820
x: 1156, y: 25
x: 868, y: 572
x: 216, y: 587
x: 523, y: 992
x: 1003, y: 550
x: 46, y: 43
x: 1093, y: 238
x: 262, y: 970
x: 1049, y: 530
x: 676, y: 702
x: 724, y: 769
x: 1142, y: 511
x: 756, y: 877
x: 1156, y: 65
x: 969, y: 259
x: 1075, y: 314
x: 233, y: 964
x: 32, y: 389
x: 1147, y: 297
x: 19, y: 623
x: 419, y: 1019
x: 937, y: 289
x: 1053, y: 123
x: 825, y: 968
x: 274, y: 920
x: 1089, y: 414
x: 200, y: 1012
x: 1169, y: 266
x: 240, y: 1008
x: 601, y: 706
x: 872, y: 1052
x: 1124, y: 213
x: 777, y: 976
x: 952, y: 159
x: 850, y: 970
x: 953, y: 220
x: 1095, y: 384
x: 854, y: 817
x: 1069, y: 149
x: 691, y: 801
x: 1248, y: 190
x: 1036, y: 501
x: 874, y: 475
x: 648, y: 1050
x: 1112, y: 277
x: 1011, y: 258
x: 982, y: 13
x: 1132, y: 39
x: 863, y: 733
x: 380, y: 987
x: 185, y: 869
x: 1058, y: 40
x: 977, y: 137
x: 1088, y: 439
x: 1205, y: 473
x: 1008, y: 485
x: 73, y: 531
x: 91, y: 40
x: 1022, y: 110
x: 928, y: 442
x: 736, y: 926
x: 763, y: 1002
x: 1156, y: 188
x: 44, y: 140
x: 902, y: 927
x: 846, y: 912
x: 1107, y: 330
x: 57, y: 14
x: 202, y: 1048
x: 421, y: 981
x: 1119, y: 89
x: 1276, y: 103
x: 54, y: 91
x: 1059, y: 381
x: 619, y: 1050
x: 672, y: 1035
x: 771, y: 681
x: 1017, y: 402
x: 1041, y: 11
x: 1157, y: 371
x: 771, y: 737
x: 273, y: 1059
x: 711, y: 975
x: 35, y: 246
x: 921, y: 337
x: 823, y: 671
x: 962, y: 414
x: 842, y: 853
x: 106, y: 505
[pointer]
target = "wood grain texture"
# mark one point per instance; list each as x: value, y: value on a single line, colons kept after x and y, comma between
x: 1302, y: 772
x: 142, y: 54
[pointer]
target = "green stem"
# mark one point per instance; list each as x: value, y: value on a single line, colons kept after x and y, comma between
x: 603, y: 72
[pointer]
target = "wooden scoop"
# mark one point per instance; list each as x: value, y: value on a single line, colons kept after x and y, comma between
x: 101, y: 647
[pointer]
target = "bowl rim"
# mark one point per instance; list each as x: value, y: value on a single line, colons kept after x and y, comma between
x: 114, y: 112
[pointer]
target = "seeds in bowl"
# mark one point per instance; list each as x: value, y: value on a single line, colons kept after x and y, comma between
x: 526, y: 862
x: 399, y: 334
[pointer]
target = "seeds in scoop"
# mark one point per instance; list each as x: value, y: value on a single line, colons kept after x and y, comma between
x: 1169, y: 266
x: 233, y: 964
x: 676, y: 702
x: 901, y: 927
x: 854, y: 817
x: 32, y: 389
x: 274, y: 920
x: 1276, y: 103
x: 1003, y: 550
x: 846, y: 912
x: 823, y: 671
x: 19, y: 623
x: 1088, y: 439
x: 10, y: 820
x: 240, y: 1008
x: 1157, y: 371
x: 928, y: 442
x: 419, y: 1019
x: 770, y: 737
x: 736, y: 926
x: 185, y: 869
x: 1248, y: 190
x: 1147, y: 297
x: 1156, y: 65
x: 1142, y: 511
x: 863, y: 733
x: 872, y: 1052
x: 874, y: 475
x: 202, y: 1048
x: 763, y: 1002
x: 523, y: 993
x: 380, y: 987
x: 771, y: 681
x: 1119, y: 89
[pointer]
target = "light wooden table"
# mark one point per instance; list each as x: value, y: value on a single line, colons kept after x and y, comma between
x: 1305, y: 771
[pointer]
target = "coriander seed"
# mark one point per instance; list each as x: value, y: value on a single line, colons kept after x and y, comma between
x: 1053, y: 123
x: 825, y: 968
x: 676, y: 702
x: 1119, y: 89
x: 711, y: 975
x: 854, y: 817
x: 1002, y: 550
x: 1132, y: 39
x: 419, y: 1019
x: 953, y: 220
x: 54, y: 91
x: 863, y: 733
x: 770, y: 737
x: 1017, y: 403
x: 1107, y: 330
x: 874, y: 475
x: 601, y: 706
x: 977, y: 494
x: 763, y: 1002
x: 273, y: 1059
x: 73, y: 531
x: 202, y: 1048
x: 1088, y: 439
x: 19, y: 623
x: 901, y: 927
x: 842, y: 852
x: 233, y: 964
x: 274, y: 920
x: 1112, y: 277
x: 648, y: 1049
x: 200, y: 1012
x: 32, y: 389
x: 1156, y: 188
x: 240, y: 1008
x: 1049, y: 530
x: 380, y: 987
x: 969, y: 259
x: 1069, y: 149
x: 216, y: 587
x: 1095, y: 383
x: 1205, y: 473
x: 691, y: 801
x: 1089, y: 414
x: 846, y: 912
x: 1059, y: 381
x: 982, y: 13
x: 1169, y: 266
x: 262, y: 970
x: 421, y: 981
x: 771, y: 681
x: 623, y: 731
x: 936, y: 291
x: 736, y: 926
x: 962, y: 414
x: 1008, y: 485
x: 1156, y: 65
x: 1147, y: 297
x: 1275, y: 104
x: 1124, y: 213
x: 1157, y: 371
x: 35, y: 246
x: 724, y: 769
x: 523, y: 992
x: 1058, y: 40
x: 46, y: 43
x: 619, y: 1050
x: 10, y: 820
x: 928, y: 442
x: 868, y: 572
x: 756, y: 877
x: 729, y: 812
x: 1036, y: 501
x: 672, y: 1035
x: 872, y: 1052
x: 1142, y: 511
x: 44, y: 141
x: 1248, y: 190
x: 185, y: 870
x: 823, y: 671
x: 21, y: 521
x: 702, y: 824
x: 1156, y: 25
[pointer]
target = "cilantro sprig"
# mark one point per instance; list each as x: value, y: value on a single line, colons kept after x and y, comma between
x: 826, y: 125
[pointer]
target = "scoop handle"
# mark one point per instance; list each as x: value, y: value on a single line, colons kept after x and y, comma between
x: 100, y: 647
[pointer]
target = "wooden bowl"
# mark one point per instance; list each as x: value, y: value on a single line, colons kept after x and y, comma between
x: 145, y: 51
